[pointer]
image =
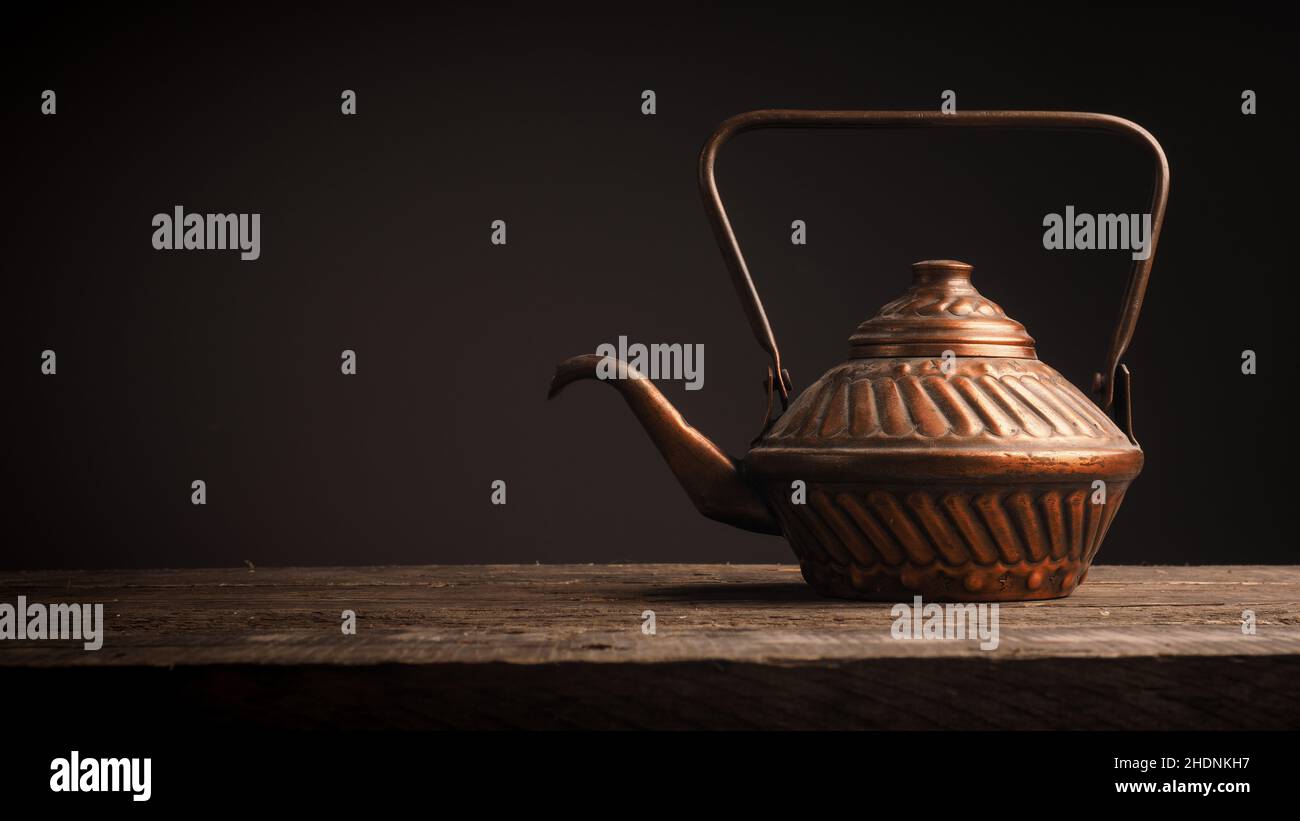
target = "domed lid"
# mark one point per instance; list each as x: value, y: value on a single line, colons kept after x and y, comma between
x: 899, y: 393
x: 941, y: 312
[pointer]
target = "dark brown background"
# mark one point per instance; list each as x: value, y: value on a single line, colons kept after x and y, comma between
x: 178, y: 366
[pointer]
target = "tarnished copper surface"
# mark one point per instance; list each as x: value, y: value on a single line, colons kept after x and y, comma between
x: 943, y: 458
x: 942, y: 311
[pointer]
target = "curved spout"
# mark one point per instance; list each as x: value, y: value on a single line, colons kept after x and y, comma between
x: 709, y: 476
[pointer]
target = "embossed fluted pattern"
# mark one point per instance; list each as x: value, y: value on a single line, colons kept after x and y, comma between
x: 888, y: 543
x: 985, y: 400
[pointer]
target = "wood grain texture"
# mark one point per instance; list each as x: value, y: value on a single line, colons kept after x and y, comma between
x: 736, y: 646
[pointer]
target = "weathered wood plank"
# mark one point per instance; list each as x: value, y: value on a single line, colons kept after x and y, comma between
x: 552, y: 613
x: 549, y: 646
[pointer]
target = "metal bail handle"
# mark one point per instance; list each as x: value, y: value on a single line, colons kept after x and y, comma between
x: 1052, y: 120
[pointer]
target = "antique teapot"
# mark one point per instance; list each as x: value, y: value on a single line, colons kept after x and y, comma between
x: 943, y: 459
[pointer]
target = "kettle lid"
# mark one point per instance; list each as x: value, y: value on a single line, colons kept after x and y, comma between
x: 941, y: 311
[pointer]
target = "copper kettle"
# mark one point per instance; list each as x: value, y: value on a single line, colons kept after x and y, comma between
x: 943, y: 459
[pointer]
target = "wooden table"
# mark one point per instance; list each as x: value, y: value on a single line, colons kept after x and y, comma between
x: 735, y: 646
